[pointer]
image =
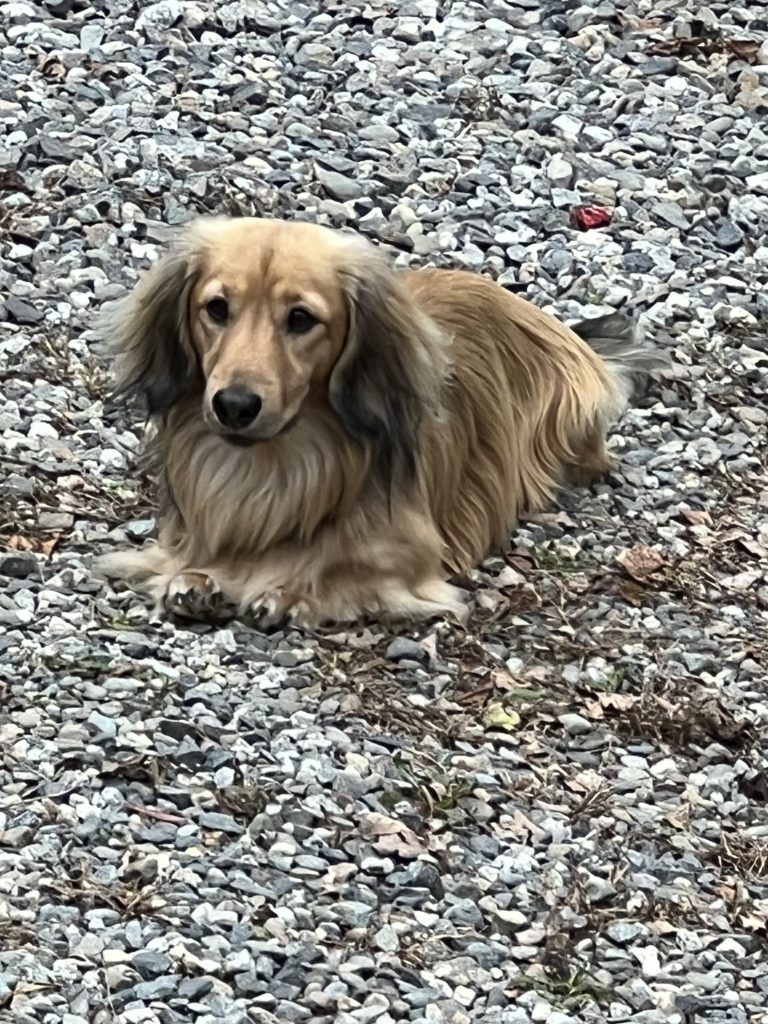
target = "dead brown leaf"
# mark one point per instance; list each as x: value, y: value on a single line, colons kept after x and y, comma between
x: 640, y: 562
x: 679, y: 817
x: 12, y: 181
x: 498, y: 605
x: 405, y: 844
x: 499, y: 681
x: 43, y: 545
x: 393, y: 836
x: 375, y: 824
x: 632, y: 593
x: 641, y: 24
x: 518, y: 827
x: 744, y: 49
x: 695, y: 516
x: 522, y: 560
x: 502, y: 680
x: 596, y: 709
x: 706, y: 45
x: 338, y: 874
x: 713, y: 719
x: 31, y: 987
x: 481, y: 693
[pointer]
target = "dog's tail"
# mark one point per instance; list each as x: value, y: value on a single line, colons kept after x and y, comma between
x: 631, y: 359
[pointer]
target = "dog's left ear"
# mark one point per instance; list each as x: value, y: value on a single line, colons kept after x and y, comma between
x: 389, y: 373
x: 148, y: 332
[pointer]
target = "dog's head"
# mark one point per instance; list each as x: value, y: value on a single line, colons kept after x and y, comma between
x: 261, y: 320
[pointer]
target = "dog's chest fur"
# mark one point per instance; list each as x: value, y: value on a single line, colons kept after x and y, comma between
x: 246, y: 500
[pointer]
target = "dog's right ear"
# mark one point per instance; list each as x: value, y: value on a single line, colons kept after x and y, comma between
x: 148, y: 331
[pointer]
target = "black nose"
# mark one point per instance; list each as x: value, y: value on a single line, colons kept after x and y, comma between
x: 235, y: 407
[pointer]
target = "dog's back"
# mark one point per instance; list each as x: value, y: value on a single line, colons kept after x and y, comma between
x: 526, y: 410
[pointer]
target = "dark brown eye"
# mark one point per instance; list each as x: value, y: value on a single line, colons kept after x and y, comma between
x: 300, y: 321
x: 217, y: 310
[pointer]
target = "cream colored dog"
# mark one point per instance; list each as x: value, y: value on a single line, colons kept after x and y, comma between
x: 335, y: 438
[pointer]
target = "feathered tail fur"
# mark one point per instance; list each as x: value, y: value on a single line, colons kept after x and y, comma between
x: 618, y: 341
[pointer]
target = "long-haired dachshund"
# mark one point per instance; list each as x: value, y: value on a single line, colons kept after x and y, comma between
x: 335, y: 438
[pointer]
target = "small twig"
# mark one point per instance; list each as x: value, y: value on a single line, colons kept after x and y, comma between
x: 153, y: 812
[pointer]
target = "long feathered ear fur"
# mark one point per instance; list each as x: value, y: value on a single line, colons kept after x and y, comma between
x: 390, y: 373
x: 148, y: 330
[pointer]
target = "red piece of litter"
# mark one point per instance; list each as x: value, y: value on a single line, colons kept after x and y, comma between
x: 586, y: 217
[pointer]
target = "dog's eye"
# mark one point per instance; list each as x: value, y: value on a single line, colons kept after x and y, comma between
x: 300, y: 321
x: 217, y: 310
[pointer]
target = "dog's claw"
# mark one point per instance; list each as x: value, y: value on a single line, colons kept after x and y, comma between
x: 202, y: 600
x: 264, y: 615
x: 277, y: 611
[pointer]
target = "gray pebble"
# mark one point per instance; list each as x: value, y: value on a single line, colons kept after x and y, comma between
x: 221, y: 824
x: 18, y: 564
x: 338, y: 186
x: 401, y: 648
x: 575, y: 724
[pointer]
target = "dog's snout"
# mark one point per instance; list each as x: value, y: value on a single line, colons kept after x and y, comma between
x: 236, y: 407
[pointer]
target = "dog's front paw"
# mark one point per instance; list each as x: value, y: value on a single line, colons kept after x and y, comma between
x: 195, y: 595
x: 281, y: 608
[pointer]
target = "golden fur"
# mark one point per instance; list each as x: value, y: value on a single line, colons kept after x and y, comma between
x: 400, y: 437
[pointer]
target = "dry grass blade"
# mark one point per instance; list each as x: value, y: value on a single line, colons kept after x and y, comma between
x: 747, y: 856
x: 686, y: 714
x: 87, y: 893
x: 156, y: 814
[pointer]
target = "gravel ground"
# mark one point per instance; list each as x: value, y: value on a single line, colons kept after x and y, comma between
x: 557, y: 816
